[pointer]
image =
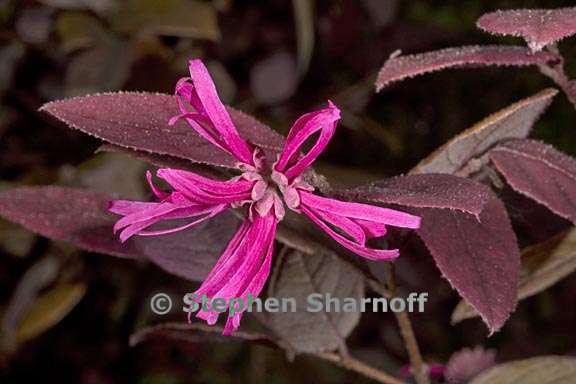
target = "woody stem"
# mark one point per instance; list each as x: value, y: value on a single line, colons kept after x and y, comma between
x: 360, y: 367
x: 406, y: 329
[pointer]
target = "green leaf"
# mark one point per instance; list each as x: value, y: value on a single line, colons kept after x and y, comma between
x: 183, y: 18
x: 49, y: 309
x: 78, y: 30
x: 304, y: 18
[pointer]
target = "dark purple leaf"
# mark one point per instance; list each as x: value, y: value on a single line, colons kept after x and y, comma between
x: 192, y: 253
x: 298, y: 277
x: 515, y: 121
x: 467, y: 230
x: 81, y: 217
x: 539, y: 27
x: 426, y: 191
x: 196, y: 333
x: 401, y: 67
x: 540, y: 172
x: 479, y: 256
x: 543, y: 265
x: 67, y: 214
x: 140, y: 121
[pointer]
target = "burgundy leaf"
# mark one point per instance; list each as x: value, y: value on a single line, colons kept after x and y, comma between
x: 81, y: 217
x: 515, y: 121
x: 426, y: 191
x: 467, y: 230
x: 479, y: 256
x: 192, y: 253
x: 198, y: 333
x: 540, y: 172
x: 140, y: 121
x: 401, y: 67
x: 67, y: 214
x: 539, y: 27
x: 543, y: 265
x: 301, y: 275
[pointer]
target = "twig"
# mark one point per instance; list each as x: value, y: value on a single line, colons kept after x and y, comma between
x: 352, y: 364
x: 555, y: 71
x: 407, y: 332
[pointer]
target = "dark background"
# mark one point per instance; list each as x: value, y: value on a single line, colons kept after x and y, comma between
x: 49, y: 51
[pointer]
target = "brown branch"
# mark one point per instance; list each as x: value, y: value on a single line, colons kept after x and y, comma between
x: 418, y: 367
x: 352, y: 364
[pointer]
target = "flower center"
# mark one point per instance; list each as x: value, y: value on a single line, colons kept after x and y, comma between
x: 272, y: 189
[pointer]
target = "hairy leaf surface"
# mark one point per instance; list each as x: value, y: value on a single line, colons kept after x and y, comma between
x: 402, y: 67
x: 540, y: 172
x: 81, y: 217
x: 302, y: 275
x: 140, y: 121
x: 463, y: 154
x: 539, y: 27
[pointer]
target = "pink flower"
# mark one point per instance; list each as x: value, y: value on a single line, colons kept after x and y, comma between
x: 266, y: 190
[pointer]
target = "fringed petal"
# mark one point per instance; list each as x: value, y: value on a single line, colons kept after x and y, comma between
x: 359, y: 249
x: 205, y: 191
x: 242, y: 270
x: 137, y: 221
x: 157, y: 192
x: 325, y: 121
x: 209, y: 116
x: 361, y: 211
x: 350, y: 224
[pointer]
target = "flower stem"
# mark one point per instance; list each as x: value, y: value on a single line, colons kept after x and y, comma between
x: 352, y: 364
x: 406, y: 330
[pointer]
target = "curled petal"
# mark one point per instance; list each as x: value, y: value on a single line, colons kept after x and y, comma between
x: 361, y: 211
x: 206, y: 191
x: 242, y: 270
x: 196, y: 197
x: 325, y: 121
x: 158, y: 193
x: 139, y: 216
x: 208, y: 115
x: 357, y: 221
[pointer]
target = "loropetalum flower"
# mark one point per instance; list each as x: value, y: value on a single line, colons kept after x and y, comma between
x: 264, y: 190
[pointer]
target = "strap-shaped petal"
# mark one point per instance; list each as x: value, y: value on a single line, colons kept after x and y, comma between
x: 206, y: 191
x: 289, y: 163
x: 201, y: 107
x: 350, y: 224
x: 361, y: 211
x: 242, y: 269
x: 137, y: 218
x: 359, y: 249
x: 195, y: 197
